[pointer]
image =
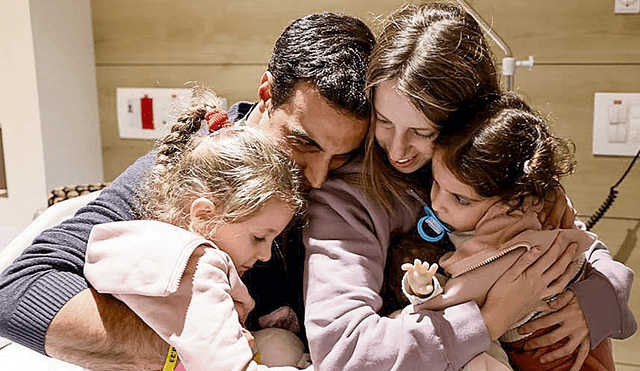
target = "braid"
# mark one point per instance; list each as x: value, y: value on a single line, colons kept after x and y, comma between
x: 187, y: 123
x: 239, y: 170
x: 171, y: 149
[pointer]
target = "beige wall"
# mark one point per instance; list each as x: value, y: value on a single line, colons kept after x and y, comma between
x: 580, y: 48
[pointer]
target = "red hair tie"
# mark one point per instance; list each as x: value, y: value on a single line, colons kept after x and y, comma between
x: 217, y: 119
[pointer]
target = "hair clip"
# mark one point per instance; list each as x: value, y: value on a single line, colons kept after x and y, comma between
x: 217, y: 119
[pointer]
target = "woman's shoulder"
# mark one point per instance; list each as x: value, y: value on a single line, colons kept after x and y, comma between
x: 343, y: 194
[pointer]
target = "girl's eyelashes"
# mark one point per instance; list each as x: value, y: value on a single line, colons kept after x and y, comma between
x: 259, y: 239
x: 461, y: 200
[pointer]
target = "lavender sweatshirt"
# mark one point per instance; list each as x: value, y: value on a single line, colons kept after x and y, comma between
x: 346, y: 248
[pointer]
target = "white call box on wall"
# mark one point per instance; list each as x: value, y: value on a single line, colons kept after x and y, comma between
x: 143, y: 113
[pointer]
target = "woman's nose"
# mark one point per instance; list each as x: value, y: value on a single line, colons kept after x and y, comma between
x: 398, y: 147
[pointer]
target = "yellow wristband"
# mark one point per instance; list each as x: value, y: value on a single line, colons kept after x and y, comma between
x: 172, y: 359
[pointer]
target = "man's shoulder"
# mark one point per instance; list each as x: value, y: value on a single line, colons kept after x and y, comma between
x: 240, y: 110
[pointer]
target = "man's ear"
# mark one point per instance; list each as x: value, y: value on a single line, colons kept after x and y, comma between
x: 202, y: 209
x: 264, y: 91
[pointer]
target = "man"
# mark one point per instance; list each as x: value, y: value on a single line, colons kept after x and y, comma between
x: 312, y: 95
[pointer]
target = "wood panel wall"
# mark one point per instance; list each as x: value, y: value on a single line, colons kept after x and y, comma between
x: 580, y: 47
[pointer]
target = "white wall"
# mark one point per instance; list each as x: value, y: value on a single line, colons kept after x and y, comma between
x: 48, y: 104
x: 66, y: 73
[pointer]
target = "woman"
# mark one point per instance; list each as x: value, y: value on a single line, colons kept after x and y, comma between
x: 430, y: 60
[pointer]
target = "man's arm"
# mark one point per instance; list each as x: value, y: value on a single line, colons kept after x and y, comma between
x: 48, y: 275
x: 99, y: 332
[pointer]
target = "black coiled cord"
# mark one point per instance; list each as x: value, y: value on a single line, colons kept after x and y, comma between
x: 613, y: 193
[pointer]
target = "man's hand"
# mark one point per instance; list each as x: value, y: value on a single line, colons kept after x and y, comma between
x: 572, y: 327
x: 98, y: 332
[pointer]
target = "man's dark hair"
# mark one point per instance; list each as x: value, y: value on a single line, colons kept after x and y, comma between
x: 331, y: 52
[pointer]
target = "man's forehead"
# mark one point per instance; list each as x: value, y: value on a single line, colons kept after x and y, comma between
x: 310, y: 116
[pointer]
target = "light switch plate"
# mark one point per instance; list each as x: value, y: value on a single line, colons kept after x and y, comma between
x: 616, y: 124
x: 626, y: 6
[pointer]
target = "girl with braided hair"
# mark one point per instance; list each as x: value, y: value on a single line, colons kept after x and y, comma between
x: 209, y: 209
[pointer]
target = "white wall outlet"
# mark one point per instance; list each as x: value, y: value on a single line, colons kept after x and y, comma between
x: 143, y: 113
x: 626, y: 6
x: 616, y: 124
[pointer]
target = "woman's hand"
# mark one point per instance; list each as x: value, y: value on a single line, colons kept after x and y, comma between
x: 572, y: 327
x: 558, y: 212
x: 523, y: 287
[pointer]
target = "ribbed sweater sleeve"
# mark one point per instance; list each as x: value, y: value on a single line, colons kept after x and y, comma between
x: 50, y: 271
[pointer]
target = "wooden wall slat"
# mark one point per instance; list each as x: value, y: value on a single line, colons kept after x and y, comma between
x: 572, y: 31
x: 211, y: 32
x: 205, y: 32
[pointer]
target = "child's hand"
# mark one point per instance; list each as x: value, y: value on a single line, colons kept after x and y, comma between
x: 283, y: 317
x: 420, y: 276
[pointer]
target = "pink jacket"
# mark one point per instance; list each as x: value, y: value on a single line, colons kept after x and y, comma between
x: 142, y: 263
x: 499, y: 239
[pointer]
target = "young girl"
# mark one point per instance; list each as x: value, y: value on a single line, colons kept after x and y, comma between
x: 490, y: 182
x: 210, y: 208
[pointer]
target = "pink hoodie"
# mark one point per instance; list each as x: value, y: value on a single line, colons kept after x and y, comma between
x: 142, y: 263
x: 499, y: 239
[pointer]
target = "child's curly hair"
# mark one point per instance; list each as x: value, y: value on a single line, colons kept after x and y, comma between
x: 506, y: 149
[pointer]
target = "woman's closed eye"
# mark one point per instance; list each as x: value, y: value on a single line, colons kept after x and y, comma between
x: 427, y: 134
x: 384, y: 123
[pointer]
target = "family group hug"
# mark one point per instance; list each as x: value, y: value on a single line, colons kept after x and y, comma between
x: 383, y: 205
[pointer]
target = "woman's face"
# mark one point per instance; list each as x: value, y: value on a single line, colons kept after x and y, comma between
x: 404, y: 133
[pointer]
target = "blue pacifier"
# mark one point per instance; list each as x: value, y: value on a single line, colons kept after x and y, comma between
x: 430, y: 228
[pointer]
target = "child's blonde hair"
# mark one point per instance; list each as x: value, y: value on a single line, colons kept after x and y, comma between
x: 239, y: 169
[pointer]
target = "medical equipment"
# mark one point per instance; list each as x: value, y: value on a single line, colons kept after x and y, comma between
x: 509, y: 63
x: 613, y: 193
